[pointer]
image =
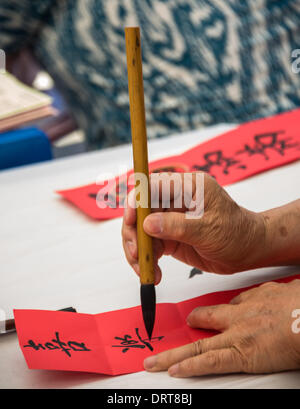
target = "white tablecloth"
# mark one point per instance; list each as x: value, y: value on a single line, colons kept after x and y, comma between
x: 53, y: 256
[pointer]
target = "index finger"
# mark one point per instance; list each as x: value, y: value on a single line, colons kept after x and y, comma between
x: 221, y: 361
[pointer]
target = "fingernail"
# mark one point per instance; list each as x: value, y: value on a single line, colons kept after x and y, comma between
x: 153, y: 223
x: 150, y: 362
x: 189, y: 317
x: 193, y: 312
x: 173, y: 371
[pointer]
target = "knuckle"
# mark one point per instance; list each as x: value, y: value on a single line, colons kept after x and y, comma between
x: 249, y: 294
x: 245, y: 343
x: 125, y: 232
x: 179, y: 229
x: 270, y: 285
x: 241, y: 355
x: 247, y: 350
x: 124, y: 246
x: 238, y: 299
x: 131, y: 260
x: 294, y: 282
x: 197, y: 347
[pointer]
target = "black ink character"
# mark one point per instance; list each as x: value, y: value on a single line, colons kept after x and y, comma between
x: 115, y: 198
x: 109, y: 198
x: 56, y: 343
x: 194, y: 272
x: 170, y: 169
x: 270, y: 140
x: 122, y: 191
x: 216, y: 158
x: 127, y: 342
x: 36, y: 347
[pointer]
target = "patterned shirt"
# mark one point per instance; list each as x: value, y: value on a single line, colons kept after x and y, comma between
x: 204, y: 61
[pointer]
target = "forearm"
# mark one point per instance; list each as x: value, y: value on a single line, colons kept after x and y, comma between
x: 281, y: 245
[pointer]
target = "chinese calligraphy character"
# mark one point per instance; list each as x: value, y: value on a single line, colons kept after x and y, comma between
x: 109, y: 199
x: 217, y: 158
x: 116, y: 197
x: 122, y: 190
x: 127, y: 342
x: 56, y: 343
x: 171, y: 168
x: 270, y: 140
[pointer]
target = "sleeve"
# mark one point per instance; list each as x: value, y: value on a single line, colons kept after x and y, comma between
x: 20, y: 20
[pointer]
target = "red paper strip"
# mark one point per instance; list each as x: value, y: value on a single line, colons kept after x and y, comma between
x: 249, y: 149
x: 111, y: 343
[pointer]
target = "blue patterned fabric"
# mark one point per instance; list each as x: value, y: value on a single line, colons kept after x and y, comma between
x: 205, y: 62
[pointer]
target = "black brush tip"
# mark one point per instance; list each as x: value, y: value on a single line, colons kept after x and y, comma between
x: 148, y: 301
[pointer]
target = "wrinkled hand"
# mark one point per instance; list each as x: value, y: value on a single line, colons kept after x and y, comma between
x: 227, y: 239
x: 256, y: 336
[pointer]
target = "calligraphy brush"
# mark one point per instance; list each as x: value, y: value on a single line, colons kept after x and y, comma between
x: 140, y: 159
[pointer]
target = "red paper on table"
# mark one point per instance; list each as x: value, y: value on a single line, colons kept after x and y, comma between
x: 111, y: 343
x: 250, y: 149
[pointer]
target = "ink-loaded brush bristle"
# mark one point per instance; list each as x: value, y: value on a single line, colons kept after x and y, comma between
x: 148, y: 301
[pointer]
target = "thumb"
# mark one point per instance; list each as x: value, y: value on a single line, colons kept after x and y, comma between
x: 173, y: 226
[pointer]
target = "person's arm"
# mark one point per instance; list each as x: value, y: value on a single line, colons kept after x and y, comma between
x: 225, y: 240
x: 258, y: 331
x: 282, y: 236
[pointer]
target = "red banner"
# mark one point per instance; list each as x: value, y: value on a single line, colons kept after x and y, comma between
x: 111, y: 343
x: 250, y: 149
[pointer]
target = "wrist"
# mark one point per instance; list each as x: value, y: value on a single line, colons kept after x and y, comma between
x: 256, y: 243
x: 282, y: 236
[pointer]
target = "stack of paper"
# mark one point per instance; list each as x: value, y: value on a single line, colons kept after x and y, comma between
x: 20, y: 104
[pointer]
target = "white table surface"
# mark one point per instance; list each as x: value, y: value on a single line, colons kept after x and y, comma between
x: 52, y: 256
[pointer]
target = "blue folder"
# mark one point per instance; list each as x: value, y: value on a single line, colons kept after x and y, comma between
x: 23, y: 147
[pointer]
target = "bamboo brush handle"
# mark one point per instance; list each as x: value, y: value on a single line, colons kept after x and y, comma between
x: 139, y: 145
